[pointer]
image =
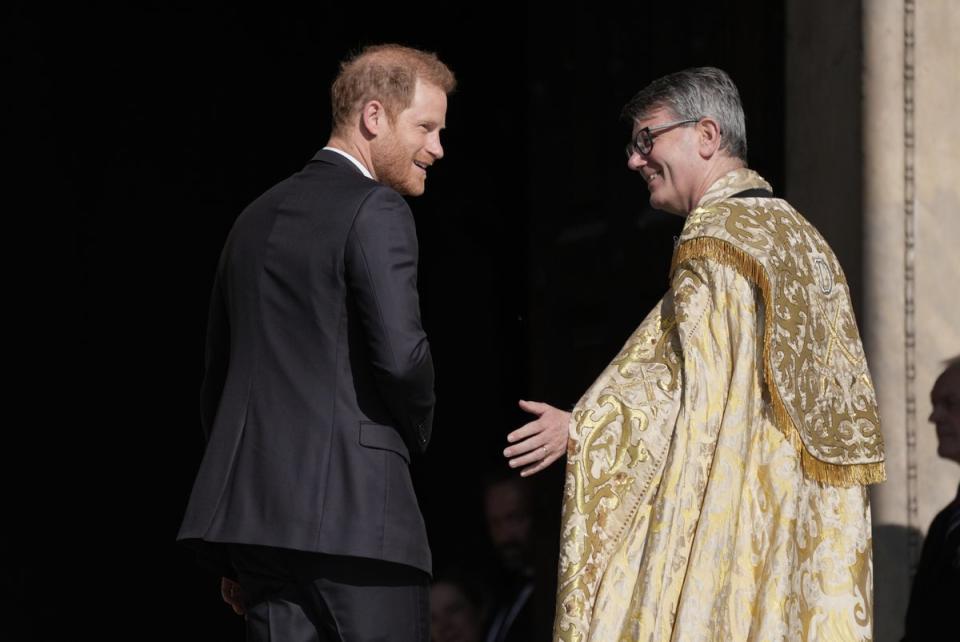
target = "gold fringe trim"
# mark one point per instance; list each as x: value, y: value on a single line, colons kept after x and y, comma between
x: 844, y: 475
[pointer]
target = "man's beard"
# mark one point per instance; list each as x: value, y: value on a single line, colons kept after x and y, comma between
x: 513, y: 556
x: 392, y: 167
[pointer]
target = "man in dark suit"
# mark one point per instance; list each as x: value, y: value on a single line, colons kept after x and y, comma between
x: 932, y: 610
x: 319, y: 379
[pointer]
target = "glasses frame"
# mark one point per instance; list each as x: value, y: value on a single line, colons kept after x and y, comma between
x: 642, y: 143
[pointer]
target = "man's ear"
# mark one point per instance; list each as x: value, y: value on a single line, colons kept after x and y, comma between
x: 373, y: 116
x: 709, y: 132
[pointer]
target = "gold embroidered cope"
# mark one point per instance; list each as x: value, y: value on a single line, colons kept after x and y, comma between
x: 715, y: 471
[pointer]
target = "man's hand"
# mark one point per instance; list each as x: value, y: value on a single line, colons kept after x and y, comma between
x: 232, y: 594
x: 541, y: 442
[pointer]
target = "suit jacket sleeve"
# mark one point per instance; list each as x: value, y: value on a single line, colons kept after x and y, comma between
x: 381, y: 273
x: 216, y: 358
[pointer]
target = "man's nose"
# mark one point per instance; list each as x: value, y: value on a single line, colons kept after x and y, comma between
x: 434, y: 148
x: 636, y: 161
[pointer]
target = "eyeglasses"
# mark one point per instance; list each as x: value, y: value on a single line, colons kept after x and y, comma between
x: 643, y: 142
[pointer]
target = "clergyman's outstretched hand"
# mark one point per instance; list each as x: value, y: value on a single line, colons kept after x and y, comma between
x: 539, y: 443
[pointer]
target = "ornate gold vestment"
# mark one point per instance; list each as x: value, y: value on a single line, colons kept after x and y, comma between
x: 716, y: 470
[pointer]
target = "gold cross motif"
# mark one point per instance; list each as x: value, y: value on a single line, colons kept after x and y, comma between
x: 648, y: 390
x: 834, y: 340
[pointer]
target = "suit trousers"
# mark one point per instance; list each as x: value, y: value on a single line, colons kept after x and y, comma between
x: 297, y: 596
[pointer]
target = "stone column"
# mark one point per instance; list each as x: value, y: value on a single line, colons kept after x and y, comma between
x: 912, y: 239
x: 902, y: 248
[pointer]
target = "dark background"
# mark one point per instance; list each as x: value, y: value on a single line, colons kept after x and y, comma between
x: 140, y: 134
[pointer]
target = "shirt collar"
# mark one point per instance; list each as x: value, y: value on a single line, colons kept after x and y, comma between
x: 731, y: 183
x: 352, y: 160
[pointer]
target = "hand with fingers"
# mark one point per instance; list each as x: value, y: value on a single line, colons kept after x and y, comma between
x: 232, y: 594
x: 541, y: 442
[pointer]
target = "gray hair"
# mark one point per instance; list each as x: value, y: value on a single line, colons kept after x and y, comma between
x: 696, y: 93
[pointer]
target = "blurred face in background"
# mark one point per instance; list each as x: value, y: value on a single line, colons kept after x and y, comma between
x: 510, y: 524
x: 453, y: 617
x: 945, y: 397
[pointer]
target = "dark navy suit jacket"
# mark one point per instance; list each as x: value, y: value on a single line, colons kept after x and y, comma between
x: 319, y: 379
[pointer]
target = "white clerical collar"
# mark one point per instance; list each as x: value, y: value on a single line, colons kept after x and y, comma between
x: 352, y: 160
